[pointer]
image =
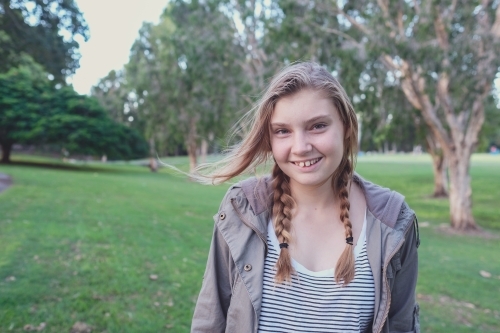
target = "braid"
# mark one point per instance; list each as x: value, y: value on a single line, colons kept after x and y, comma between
x: 344, y: 269
x: 283, y: 204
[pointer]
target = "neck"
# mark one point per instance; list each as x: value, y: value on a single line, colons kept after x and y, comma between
x: 313, y: 197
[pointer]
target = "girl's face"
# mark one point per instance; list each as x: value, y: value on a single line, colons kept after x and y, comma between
x: 307, y: 138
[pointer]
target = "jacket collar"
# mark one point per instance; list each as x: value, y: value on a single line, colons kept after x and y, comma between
x: 382, y: 202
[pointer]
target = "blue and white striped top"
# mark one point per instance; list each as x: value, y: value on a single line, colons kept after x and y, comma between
x: 313, y: 302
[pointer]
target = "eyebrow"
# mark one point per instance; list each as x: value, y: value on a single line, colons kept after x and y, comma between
x: 312, y: 120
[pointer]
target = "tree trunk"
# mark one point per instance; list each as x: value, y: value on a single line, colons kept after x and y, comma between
x: 192, y: 146
x: 204, y: 150
x: 438, y: 167
x: 193, y: 159
x: 153, y: 164
x: 440, y: 181
x: 6, y: 150
x: 460, y: 193
x: 457, y: 142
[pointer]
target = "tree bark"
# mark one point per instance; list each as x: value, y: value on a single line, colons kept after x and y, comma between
x: 440, y: 181
x: 6, y: 150
x: 192, y: 146
x: 438, y: 167
x: 204, y: 150
x: 461, y: 194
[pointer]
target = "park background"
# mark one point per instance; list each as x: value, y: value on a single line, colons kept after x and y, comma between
x: 95, y: 235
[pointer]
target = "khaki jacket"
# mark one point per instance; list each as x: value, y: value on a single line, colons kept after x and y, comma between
x: 230, y: 296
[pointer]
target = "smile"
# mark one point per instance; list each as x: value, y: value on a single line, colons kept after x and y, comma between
x: 307, y: 163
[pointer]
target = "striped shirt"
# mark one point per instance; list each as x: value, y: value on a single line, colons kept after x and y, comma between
x: 313, y: 302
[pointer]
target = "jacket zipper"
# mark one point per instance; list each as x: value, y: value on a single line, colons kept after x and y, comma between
x: 384, y: 269
x: 251, y: 226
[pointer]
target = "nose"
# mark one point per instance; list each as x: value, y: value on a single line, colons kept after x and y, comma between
x: 301, y: 144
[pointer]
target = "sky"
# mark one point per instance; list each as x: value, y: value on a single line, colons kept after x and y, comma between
x: 114, y: 25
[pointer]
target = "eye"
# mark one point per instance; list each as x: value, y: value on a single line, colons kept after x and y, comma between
x: 319, y: 126
x: 281, y: 131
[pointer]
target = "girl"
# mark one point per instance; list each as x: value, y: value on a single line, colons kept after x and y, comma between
x: 313, y: 247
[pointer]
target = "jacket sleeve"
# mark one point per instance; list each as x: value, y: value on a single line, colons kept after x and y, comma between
x: 404, y: 311
x: 214, y: 298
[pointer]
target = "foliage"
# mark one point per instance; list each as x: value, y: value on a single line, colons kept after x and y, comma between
x: 88, y: 258
x: 32, y: 111
x: 405, y: 65
x: 490, y: 133
x: 113, y: 95
x: 172, y: 71
x: 46, y: 30
x: 443, y: 55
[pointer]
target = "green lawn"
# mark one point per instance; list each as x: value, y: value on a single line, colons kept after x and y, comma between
x: 80, y: 242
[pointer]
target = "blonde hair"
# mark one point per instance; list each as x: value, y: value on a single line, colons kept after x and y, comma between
x: 255, y: 149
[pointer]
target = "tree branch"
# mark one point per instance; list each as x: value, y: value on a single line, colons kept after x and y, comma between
x: 401, y: 26
x: 495, y: 28
x: 456, y: 128
x: 440, y: 30
x: 351, y: 20
x: 338, y: 33
x: 417, y: 7
x: 476, y: 121
x: 384, y: 6
x: 413, y: 86
x: 452, y: 9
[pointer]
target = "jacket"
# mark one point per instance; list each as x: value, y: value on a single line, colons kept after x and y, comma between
x: 230, y: 296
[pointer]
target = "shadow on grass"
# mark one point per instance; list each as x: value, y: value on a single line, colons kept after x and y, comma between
x: 66, y: 166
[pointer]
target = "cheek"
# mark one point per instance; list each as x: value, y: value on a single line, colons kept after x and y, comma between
x: 278, y: 148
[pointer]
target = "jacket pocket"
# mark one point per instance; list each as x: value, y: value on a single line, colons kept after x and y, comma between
x: 416, y: 321
x: 392, y: 269
x: 240, y: 316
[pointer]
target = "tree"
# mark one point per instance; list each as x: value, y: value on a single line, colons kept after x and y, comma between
x: 32, y: 111
x: 149, y: 81
x: 46, y: 30
x: 184, y: 74
x: 444, y: 57
x: 112, y: 93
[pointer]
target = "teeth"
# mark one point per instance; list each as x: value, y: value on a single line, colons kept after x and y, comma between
x: 307, y: 163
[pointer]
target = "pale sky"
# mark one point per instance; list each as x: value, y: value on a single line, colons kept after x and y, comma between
x: 114, y: 25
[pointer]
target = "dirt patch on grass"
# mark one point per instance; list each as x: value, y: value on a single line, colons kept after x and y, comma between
x: 5, y: 182
x: 480, y: 233
x: 463, y: 312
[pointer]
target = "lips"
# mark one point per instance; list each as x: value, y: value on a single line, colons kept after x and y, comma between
x: 304, y: 164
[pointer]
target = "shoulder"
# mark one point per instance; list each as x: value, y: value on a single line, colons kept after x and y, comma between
x: 255, y: 191
x: 385, y: 204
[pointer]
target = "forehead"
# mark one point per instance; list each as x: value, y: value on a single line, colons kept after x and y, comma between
x: 302, y: 106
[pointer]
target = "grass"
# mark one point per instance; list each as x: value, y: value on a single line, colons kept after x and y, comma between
x: 80, y: 242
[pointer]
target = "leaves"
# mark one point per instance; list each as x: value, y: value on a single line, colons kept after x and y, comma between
x: 46, y: 31
x: 34, y: 112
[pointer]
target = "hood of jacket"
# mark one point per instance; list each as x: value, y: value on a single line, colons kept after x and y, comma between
x: 383, y: 203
